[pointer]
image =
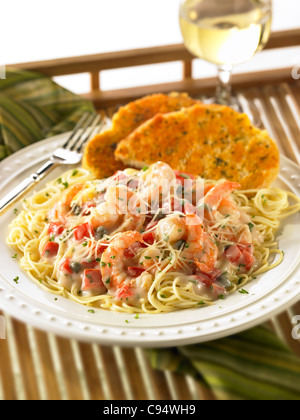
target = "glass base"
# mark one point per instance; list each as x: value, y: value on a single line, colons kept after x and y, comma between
x: 232, y: 101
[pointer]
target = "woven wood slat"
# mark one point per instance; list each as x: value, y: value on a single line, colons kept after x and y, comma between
x: 158, y: 381
x: 7, y: 379
x: 181, y: 387
x: 134, y: 375
x: 112, y: 373
x: 26, y: 363
x: 94, y: 385
x: 69, y: 369
x: 49, y: 377
x: 289, y: 107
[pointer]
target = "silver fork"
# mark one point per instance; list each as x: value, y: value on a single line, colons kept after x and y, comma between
x: 70, y: 153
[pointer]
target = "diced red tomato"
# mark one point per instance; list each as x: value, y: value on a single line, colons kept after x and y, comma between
x: 183, y: 206
x: 132, y: 251
x: 55, y: 228
x: 65, y: 266
x: 209, y: 282
x: 249, y: 259
x: 119, y: 176
x: 82, y: 231
x: 50, y: 250
x: 234, y: 254
x: 123, y: 292
x: 217, y: 289
x: 135, y: 271
x: 86, y: 208
x: 99, y: 248
x: 92, y: 279
x: 133, y: 184
x: 181, y: 176
x: 212, y: 276
x: 241, y: 255
x: 151, y: 224
x: 128, y: 253
x: 149, y: 238
x: 89, y: 265
x: 189, y: 208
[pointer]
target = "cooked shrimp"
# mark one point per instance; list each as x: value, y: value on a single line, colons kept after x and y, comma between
x: 160, y: 181
x: 102, y: 216
x: 117, y: 198
x: 150, y: 257
x: 159, y: 174
x: 227, y: 206
x: 117, y: 274
x: 171, y: 229
x: 62, y: 207
x: 71, y: 193
x: 217, y: 199
x: 218, y: 193
x: 122, y: 208
x: 200, y: 247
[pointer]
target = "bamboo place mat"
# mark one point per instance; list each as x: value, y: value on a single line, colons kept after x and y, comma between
x: 36, y: 365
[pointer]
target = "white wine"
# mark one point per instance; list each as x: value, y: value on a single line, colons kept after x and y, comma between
x: 225, y: 31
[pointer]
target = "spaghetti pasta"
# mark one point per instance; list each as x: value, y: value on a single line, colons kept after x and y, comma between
x: 132, y: 243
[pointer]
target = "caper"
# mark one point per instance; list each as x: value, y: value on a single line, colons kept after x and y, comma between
x: 100, y: 232
x: 75, y: 266
x: 179, y: 244
x: 224, y: 281
x: 76, y: 209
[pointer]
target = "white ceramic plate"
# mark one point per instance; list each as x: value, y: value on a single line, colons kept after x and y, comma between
x: 268, y: 295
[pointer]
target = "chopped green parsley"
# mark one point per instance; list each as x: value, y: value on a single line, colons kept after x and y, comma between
x: 244, y: 292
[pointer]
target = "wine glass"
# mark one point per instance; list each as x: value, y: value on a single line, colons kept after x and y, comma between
x: 225, y: 33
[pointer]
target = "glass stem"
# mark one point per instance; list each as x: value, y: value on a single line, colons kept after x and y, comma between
x: 224, y: 88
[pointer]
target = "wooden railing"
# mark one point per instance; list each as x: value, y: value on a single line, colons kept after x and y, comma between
x: 94, y: 64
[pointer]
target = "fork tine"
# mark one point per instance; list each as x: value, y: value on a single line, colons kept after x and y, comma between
x: 76, y: 128
x: 95, y: 127
x: 81, y: 132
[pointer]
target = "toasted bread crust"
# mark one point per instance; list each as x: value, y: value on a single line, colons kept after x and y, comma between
x: 99, y: 153
x: 211, y: 141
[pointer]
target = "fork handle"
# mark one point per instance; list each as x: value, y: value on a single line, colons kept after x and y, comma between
x: 25, y: 186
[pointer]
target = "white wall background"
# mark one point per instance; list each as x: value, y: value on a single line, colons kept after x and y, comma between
x: 32, y: 30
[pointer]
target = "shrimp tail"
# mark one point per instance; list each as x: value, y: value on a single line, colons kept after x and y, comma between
x: 205, y: 267
x: 218, y: 193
